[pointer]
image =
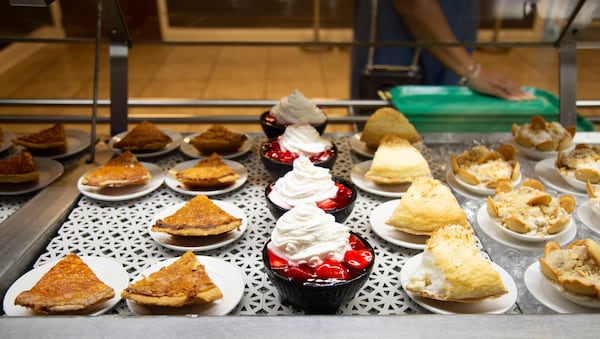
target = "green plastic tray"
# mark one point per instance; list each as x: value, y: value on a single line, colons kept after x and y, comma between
x: 458, y: 109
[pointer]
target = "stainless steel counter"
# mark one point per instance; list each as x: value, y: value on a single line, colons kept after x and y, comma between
x: 118, y: 231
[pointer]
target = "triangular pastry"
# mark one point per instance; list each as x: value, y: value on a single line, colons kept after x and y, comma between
x: 124, y: 170
x: 218, y: 139
x: 198, y: 217
x: 396, y: 161
x: 68, y: 286
x: 18, y: 168
x: 184, y: 282
x: 427, y: 205
x: 51, y: 140
x: 145, y: 136
x: 453, y: 269
x: 386, y: 121
x: 208, y: 173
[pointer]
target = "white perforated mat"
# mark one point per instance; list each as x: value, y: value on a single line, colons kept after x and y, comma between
x: 118, y: 230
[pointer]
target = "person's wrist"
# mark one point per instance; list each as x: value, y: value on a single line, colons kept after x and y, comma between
x: 471, y: 74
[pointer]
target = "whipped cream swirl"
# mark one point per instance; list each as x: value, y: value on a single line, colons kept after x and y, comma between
x: 296, y: 109
x: 304, y: 183
x: 303, y: 139
x: 307, y: 235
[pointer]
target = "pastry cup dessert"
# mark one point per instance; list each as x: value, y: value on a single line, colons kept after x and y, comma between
x: 574, y: 270
x: 326, y: 268
x: 579, y: 166
x: 529, y: 213
x: 541, y: 139
x: 480, y: 169
x: 299, y: 140
x: 292, y: 109
x: 340, y: 207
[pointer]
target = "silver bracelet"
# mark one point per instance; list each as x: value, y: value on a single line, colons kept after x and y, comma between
x: 472, y: 74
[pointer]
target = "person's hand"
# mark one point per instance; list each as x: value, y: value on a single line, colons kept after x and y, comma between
x: 498, y: 85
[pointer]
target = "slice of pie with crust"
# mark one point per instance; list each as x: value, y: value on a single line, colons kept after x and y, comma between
x: 124, y: 170
x: 184, y: 282
x: 209, y: 172
x: 68, y: 286
x: 396, y: 161
x: 198, y: 217
x: 51, y: 140
x: 144, y: 137
x: 19, y: 168
x: 427, y: 205
x: 385, y: 121
x: 453, y: 269
x: 218, y: 139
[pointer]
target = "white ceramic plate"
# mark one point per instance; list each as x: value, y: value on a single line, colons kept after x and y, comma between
x: 177, y: 186
x: 549, y: 295
x: 49, y: 170
x: 77, y: 141
x: 575, y: 183
x: 191, y: 151
x: 175, y: 142
x: 357, y: 175
x: 360, y: 147
x: 108, y: 271
x: 549, y: 175
x: 228, y: 278
x: 479, y: 190
x: 203, y: 243
x: 6, y: 141
x: 488, y: 226
x: 588, y: 217
x: 493, y: 306
x: 534, y: 154
x: 453, y: 183
x: 127, y: 192
x: 381, y: 214
x: 529, y: 237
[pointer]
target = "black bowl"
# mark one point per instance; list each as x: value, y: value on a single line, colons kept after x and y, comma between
x: 314, y: 297
x: 278, y: 169
x: 273, y: 130
x: 340, y: 214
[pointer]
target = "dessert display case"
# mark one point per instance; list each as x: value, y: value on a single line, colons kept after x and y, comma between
x: 39, y: 227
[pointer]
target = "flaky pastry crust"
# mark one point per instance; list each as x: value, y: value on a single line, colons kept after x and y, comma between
x: 209, y: 172
x: 68, y: 286
x: 198, y: 217
x: 184, y: 282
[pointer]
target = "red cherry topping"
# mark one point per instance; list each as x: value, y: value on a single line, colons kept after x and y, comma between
x: 328, y: 204
x: 358, y: 259
x: 276, y: 261
x: 332, y: 269
x: 275, y: 152
x: 355, y: 243
x: 355, y: 261
x: 302, y: 272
